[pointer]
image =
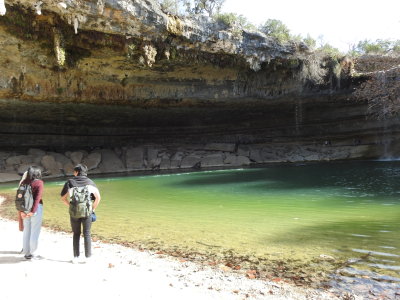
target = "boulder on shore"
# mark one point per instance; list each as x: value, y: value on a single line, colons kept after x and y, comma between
x: 190, y: 161
x: 213, y: 160
x: 76, y: 157
x: 134, y: 158
x: 237, y: 160
x: 110, y: 163
x: 93, y: 160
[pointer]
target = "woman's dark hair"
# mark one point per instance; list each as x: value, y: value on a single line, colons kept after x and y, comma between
x: 81, y: 169
x: 34, y: 172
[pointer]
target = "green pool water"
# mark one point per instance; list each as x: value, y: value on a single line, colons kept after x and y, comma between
x: 350, y: 211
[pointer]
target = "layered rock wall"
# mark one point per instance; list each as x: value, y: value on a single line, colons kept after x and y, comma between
x: 112, y: 80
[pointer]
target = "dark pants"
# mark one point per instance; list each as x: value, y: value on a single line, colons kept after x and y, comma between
x: 76, y: 225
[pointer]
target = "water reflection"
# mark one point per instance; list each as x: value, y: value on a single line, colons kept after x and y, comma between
x: 362, y: 179
x: 364, y: 229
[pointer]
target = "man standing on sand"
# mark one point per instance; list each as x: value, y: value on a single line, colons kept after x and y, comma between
x: 80, y: 180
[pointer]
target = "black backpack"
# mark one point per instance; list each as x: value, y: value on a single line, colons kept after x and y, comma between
x: 24, y: 198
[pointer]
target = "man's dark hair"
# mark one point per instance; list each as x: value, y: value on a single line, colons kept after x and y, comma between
x: 34, y: 172
x: 81, y: 169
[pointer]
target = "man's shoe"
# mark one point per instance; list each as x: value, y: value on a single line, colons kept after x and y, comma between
x: 28, y: 256
x: 88, y: 260
x: 75, y: 260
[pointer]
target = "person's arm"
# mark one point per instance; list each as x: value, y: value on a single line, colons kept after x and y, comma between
x: 97, y: 198
x: 21, y: 221
x: 64, y: 199
x: 23, y: 178
x: 64, y: 194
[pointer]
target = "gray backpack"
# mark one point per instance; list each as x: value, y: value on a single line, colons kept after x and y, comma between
x: 24, y: 198
x: 80, y: 205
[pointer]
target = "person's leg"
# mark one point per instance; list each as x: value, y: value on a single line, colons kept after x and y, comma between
x: 76, y: 229
x: 87, y: 224
x: 27, y: 236
x: 36, y: 226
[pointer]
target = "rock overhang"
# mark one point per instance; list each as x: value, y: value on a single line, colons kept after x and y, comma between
x: 141, y: 75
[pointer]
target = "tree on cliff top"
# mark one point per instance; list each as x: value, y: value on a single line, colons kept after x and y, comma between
x: 236, y: 21
x: 276, y: 29
x: 211, y: 7
x: 192, y: 7
x: 378, y: 47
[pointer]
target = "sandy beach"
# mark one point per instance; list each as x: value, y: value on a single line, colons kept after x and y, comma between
x: 119, y: 272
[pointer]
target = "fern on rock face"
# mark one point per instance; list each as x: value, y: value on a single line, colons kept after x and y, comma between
x: 311, y: 70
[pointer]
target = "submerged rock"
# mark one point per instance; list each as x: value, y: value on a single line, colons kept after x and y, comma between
x: 327, y: 257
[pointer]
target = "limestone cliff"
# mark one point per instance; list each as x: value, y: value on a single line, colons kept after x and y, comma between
x: 95, y: 75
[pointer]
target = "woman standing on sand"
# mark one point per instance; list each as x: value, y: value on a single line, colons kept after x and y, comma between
x: 32, y: 221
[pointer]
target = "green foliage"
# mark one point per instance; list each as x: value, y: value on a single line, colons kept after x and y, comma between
x: 377, y: 47
x: 233, y: 20
x: 353, y: 52
x: 192, y: 7
x: 173, y: 53
x: 228, y: 19
x: 281, y: 32
x: 297, y: 38
x: 367, y: 47
x: 396, y: 46
x: 310, y: 42
x: 244, y: 23
x: 276, y: 29
x: 330, y: 51
x: 272, y: 27
x: 209, y: 7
